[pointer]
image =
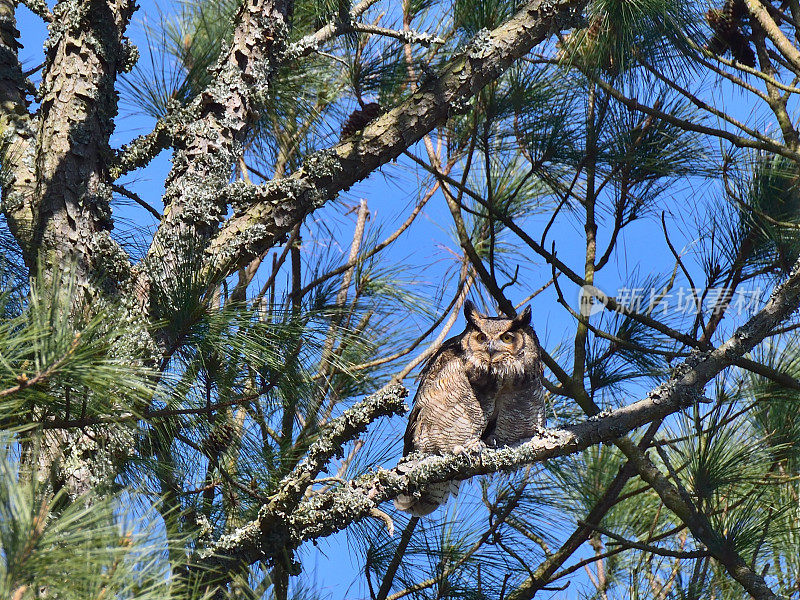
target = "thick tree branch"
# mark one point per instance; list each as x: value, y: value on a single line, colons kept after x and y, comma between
x: 39, y: 8
x: 773, y: 31
x: 141, y: 150
x: 383, y: 403
x: 327, y: 513
x: 144, y: 148
x: 71, y: 211
x: 16, y: 128
x: 208, y: 145
x: 265, y: 213
x: 274, y: 516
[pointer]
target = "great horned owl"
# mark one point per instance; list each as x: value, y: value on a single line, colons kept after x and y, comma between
x: 482, y: 386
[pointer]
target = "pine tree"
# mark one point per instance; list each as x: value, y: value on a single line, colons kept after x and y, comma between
x: 187, y: 409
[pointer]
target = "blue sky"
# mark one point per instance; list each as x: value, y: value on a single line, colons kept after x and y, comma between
x: 424, y: 249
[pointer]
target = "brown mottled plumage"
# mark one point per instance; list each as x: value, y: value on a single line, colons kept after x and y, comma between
x: 482, y: 386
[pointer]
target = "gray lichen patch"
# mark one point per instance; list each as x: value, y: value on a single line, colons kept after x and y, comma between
x: 86, y: 460
x: 481, y: 46
x: 145, y: 148
x: 129, y: 56
x: 324, y: 164
x: 245, y: 536
x: 385, y: 402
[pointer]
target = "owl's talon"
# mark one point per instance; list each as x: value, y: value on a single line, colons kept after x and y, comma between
x: 475, y: 445
x: 471, y: 447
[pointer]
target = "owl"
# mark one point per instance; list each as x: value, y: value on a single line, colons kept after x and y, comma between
x: 483, y: 386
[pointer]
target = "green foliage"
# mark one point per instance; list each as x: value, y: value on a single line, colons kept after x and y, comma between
x: 57, y: 363
x: 79, y: 549
x: 769, y: 212
x: 222, y: 393
x: 324, y: 11
x: 775, y: 406
x: 622, y: 35
x: 720, y: 458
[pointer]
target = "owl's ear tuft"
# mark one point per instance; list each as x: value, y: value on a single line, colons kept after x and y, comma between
x: 472, y: 315
x: 523, y: 319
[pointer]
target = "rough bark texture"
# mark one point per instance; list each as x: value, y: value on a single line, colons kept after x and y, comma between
x: 72, y: 213
x: 266, y: 213
x: 56, y: 197
x: 16, y: 131
x: 207, y: 147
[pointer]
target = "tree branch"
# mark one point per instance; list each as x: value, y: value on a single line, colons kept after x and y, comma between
x: 15, y: 125
x: 265, y: 213
x: 86, y: 51
x: 324, y: 514
x: 141, y: 150
x: 207, y: 149
x: 544, y: 573
x: 648, y: 547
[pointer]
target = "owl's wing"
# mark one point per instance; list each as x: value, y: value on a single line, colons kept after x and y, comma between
x: 408, y: 437
x: 449, y: 346
x: 446, y: 412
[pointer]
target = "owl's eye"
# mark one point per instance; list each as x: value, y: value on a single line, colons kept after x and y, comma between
x: 507, y: 337
x: 480, y: 337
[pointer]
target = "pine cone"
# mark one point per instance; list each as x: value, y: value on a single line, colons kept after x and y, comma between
x: 741, y: 50
x: 360, y: 117
x: 727, y: 24
x: 219, y: 439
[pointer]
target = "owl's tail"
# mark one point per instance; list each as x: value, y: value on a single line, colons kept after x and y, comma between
x: 431, y: 498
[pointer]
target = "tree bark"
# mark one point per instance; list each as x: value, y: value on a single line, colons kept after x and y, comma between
x: 264, y: 214
x: 208, y: 146
x: 71, y: 212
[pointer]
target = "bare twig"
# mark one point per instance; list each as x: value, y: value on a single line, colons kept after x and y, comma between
x: 648, y: 547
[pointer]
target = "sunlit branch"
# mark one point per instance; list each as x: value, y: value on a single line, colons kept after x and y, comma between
x: 782, y: 43
x: 142, y: 150
x: 40, y: 9
x: 325, y: 173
